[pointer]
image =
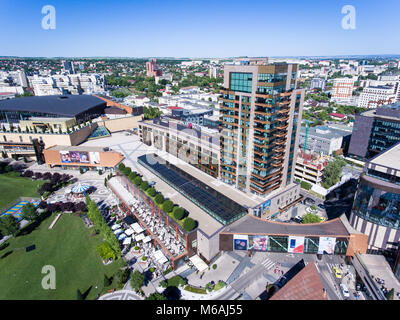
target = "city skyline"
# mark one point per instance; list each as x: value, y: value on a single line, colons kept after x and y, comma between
x: 180, y: 29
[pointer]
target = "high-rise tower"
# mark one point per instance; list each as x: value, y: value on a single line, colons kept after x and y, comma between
x: 260, y: 122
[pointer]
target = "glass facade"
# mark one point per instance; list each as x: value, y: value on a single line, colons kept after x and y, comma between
x: 241, y: 82
x: 384, y: 134
x: 377, y: 206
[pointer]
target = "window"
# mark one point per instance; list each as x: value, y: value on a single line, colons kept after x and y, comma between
x: 241, y: 81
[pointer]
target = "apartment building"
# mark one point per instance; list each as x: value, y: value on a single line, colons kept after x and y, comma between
x: 196, y: 145
x: 374, y: 96
x: 259, y: 115
x: 342, y: 89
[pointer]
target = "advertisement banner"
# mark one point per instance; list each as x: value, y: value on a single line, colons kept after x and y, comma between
x: 240, y: 242
x: 260, y: 243
x: 266, y: 207
x: 296, y: 244
x: 79, y: 156
x: 326, y: 245
x: 65, y: 157
x: 94, y: 157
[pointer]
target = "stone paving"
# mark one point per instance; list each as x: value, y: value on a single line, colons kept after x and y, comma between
x: 121, y: 295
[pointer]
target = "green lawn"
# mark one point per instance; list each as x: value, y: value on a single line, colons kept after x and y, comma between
x: 13, y: 186
x: 69, y: 247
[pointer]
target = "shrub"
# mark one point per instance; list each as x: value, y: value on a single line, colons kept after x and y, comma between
x: 163, y: 284
x: 144, y: 258
x: 306, y: 185
x: 144, y: 185
x: 167, y: 206
x: 310, y: 218
x: 178, y: 213
x: 105, y: 251
x: 159, y: 199
x: 100, y: 172
x: 80, y: 170
x: 122, y: 276
x: 152, y: 270
x: 121, y: 167
x: 137, y: 181
x: 137, y: 280
x: 214, y: 266
x: 127, y: 171
x: 156, y: 296
x: 189, y: 224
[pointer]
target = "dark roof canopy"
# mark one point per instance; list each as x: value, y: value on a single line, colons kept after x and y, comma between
x: 61, y: 105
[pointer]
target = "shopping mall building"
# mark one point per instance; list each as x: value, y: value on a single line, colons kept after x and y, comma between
x: 376, y: 208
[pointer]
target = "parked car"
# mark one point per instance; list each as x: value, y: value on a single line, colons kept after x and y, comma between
x: 337, y: 272
x: 309, y: 201
x: 345, y: 291
x: 322, y: 206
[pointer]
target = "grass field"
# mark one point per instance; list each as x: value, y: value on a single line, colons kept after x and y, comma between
x: 69, y: 247
x: 13, y: 186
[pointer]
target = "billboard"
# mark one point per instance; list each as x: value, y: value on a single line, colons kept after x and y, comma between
x: 326, y: 245
x: 240, y: 242
x: 79, y: 156
x: 65, y: 157
x: 266, y: 207
x: 296, y: 244
x: 94, y: 157
x: 259, y: 243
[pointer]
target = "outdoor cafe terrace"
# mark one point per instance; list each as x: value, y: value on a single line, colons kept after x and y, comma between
x: 172, y: 239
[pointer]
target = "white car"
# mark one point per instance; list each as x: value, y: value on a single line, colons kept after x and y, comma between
x: 345, y: 291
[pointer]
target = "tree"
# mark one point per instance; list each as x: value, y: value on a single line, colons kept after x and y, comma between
x: 178, y: 213
x: 137, y: 280
x: 189, y: 224
x: 29, y: 212
x: 156, y: 296
x: 390, y: 294
x: 132, y: 176
x: 107, y: 281
x: 151, y: 192
x: 144, y: 185
x: 137, y: 181
x: 121, y: 166
x: 159, y: 199
x: 122, y: 276
x: 9, y: 225
x: 332, y: 173
x: 310, y: 218
x: 167, y: 206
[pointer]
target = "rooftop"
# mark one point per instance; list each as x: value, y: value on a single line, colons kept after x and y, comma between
x: 252, y: 225
x: 64, y: 106
x: 305, y: 285
x: 389, y: 158
x: 220, y: 207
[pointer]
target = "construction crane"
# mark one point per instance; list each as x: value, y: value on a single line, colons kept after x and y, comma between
x: 306, y: 137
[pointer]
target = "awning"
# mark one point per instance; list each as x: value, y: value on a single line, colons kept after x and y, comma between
x: 162, y: 260
x: 129, y: 232
x: 198, y: 263
x: 115, y: 226
x: 147, y: 239
x: 139, y: 237
x: 136, y: 227
x: 158, y: 255
x: 116, y: 232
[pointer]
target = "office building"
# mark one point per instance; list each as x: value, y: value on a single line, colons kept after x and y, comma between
x: 375, y: 131
x: 324, y: 140
x: 376, y: 205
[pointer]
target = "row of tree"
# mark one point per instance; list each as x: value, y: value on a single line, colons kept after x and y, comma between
x: 101, y: 226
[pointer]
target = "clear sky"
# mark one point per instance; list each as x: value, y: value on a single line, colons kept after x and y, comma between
x: 216, y: 28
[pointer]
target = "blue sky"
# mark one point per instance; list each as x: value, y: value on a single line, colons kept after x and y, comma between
x: 216, y: 28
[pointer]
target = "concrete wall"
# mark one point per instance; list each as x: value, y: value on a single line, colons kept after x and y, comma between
x: 121, y: 124
x: 208, y: 248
